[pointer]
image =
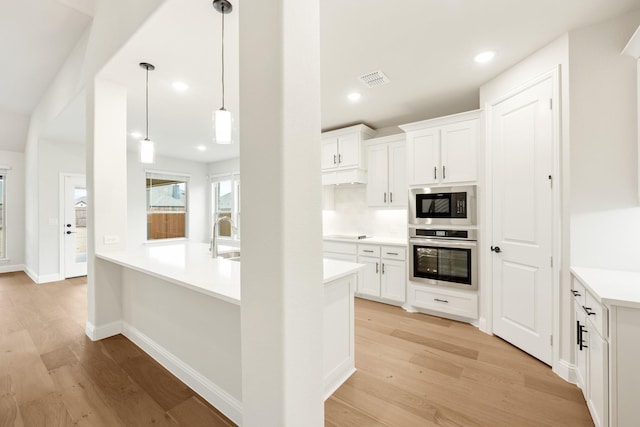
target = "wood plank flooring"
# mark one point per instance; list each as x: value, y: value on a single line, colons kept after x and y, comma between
x: 51, y: 374
x: 413, y: 370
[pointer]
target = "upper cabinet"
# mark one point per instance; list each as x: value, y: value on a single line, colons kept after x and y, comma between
x: 387, y: 183
x: 343, y: 157
x: 443, y: 150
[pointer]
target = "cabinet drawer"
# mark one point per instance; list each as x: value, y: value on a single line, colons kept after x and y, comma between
x: 369, y: 250
x: 597, y: 314
x: 340, y: 248
x: 578, y: 291
x: 393, y: 252
x: 459, y: 304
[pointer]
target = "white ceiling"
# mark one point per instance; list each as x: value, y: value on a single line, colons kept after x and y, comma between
x: 425, y: 47
x: 35, y: 38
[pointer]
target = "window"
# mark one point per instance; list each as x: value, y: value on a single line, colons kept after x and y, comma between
x: 166, y: 206
x: 3, y: 180
x: 225, y: 196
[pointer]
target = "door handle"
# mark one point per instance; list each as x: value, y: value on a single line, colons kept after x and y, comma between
x: 339, y: 158
x: 68, y: 225
x: 377, y: 268
x: 70, y: 232
x: 390, y: 197
x: 435, y: 172
x: 385, y: 197
x: 334, y: 159
x: 496, y: 249
x: 444, y: 174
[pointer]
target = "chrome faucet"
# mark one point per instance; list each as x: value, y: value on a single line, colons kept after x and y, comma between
x: 214, y: 241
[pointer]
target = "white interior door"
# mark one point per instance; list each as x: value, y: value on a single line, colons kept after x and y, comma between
x: 74, y: 228
x: 522, y: 149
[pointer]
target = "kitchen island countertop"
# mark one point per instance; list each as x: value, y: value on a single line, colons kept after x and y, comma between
x: 190, y: 265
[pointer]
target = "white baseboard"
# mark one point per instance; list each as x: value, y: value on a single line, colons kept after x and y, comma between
x: 11, y: 268
x: 33, y: 276
x: 223, y: 401
x: 96, y: 333
x: 48, y: 278
x: 337, y: 378
x: 567, y: 371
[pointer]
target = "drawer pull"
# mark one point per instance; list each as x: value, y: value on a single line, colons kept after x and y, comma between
x: 441, y: 300
x: 575, y: 293
x: 392, y: 253
x: 367, y: 251
x: 588, y: 311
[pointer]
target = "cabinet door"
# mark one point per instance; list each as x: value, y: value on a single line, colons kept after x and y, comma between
x: 349, y: 151
x: 329, y: 153
x: 377, y: 176
x: 398, y: 189
x: 370, y: 276
x: 459, y: 158
x: 423, y: 156
x: 581, y: 355
x: 393, y: 280
x: 597, y: 378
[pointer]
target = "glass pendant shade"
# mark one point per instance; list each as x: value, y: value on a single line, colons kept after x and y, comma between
x: 222, y: 124
x: 147, y: 151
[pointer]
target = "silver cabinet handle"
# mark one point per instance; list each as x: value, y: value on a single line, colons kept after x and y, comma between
x: 367, y: 251
x: 441, y: 300
x: 392, y: 253
x: 334, y: 159
x: 385, y: 197
x: 339, y: 158
x: 444, y: 174
x: 377, y: 268
x: 383, y: 268
x: 435, y: 172
x: 390, y: 197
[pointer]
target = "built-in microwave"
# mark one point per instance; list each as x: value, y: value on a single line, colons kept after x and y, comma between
x: 443, y: 205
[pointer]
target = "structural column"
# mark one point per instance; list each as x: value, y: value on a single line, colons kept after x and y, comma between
x: 107, y: 203
x: 282, y: 290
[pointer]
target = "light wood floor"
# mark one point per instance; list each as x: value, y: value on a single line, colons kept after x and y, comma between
x: 413, y: 370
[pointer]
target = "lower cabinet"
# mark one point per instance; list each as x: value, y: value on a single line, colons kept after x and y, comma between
x: 384, y: 276
x: 592, y: 352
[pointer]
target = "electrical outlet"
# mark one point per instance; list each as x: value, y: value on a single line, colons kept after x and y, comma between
x: 111, y: 240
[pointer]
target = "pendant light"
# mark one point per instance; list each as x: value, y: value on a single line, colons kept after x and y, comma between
x: 222, y: 117
x: 147, y: 147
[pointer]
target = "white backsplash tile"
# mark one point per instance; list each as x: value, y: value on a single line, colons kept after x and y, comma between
x: 351, y: 215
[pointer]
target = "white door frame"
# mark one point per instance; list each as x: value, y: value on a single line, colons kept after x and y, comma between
x: 486, y: 224
x: 61, y: 217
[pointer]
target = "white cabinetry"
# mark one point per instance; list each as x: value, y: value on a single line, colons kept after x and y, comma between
x: 341, y: 251
x: 592, y: 354
x: 343, y: 159
x: 385, y: 273
x: 386, y: 163
x: 442, y: 150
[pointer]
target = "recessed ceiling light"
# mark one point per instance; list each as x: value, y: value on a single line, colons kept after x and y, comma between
x: 354, y: 96
x: 136, y: 135
x: 201, y: 147
x: 180, y: 86
x: 483, y: 57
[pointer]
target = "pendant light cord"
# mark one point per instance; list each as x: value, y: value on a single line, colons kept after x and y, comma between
x: 147, y: 102
x: 223, y: 13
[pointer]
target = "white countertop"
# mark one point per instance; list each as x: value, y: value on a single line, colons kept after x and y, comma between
x: 393, y: 241
x: 190, y: 265
x: 611, y: 287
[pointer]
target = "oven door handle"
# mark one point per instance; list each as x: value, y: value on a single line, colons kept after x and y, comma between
x: 444, y: 243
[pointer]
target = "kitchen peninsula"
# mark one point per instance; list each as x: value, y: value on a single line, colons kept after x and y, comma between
x: 182, y: 307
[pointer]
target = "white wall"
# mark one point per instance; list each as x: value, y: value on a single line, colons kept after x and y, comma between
x: 14, y: 219
x: 605, y: 219
x: 198, y: 208
x: 54, y: 158
x: 351, y: 215
x: 224, y: 166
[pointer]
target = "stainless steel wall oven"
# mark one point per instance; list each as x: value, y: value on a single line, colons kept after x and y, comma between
x: 444, y: 257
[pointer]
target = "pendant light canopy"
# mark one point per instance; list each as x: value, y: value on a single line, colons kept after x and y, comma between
x: 222, y: 118
x: 147, y: 147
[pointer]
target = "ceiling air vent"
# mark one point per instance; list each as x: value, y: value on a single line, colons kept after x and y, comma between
x: 374, y: 78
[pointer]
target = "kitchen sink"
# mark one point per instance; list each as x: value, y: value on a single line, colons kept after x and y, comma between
x: 233, y: 255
